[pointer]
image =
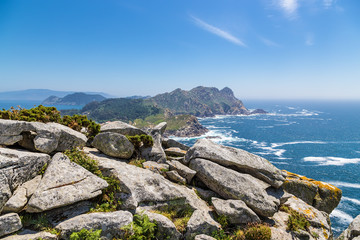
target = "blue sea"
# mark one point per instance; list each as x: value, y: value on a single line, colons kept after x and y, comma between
x: 7, y: 104
x: 320, y: 140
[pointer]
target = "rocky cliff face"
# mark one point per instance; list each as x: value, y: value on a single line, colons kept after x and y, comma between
x: 201, y: 102
x: 191, y: 193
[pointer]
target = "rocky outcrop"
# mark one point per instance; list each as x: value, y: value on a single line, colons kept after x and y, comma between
x: 192, y: 128
x: 235, y: 211
x: 16, y: 168
x: 156, y: 167
x: 110, y: 223
x: 169, y: 143
x: 121, y: 128
x: 42, y: 137
x: 114, y: 144
x: 174, y: 151
x: 175, y: 177
x: 320, y: 195
x: 234, y: 185
x: 64, y: 183
x: 237, y: 159
x: 352, y: 232
x: 156, y: 152
x: 9, y: 223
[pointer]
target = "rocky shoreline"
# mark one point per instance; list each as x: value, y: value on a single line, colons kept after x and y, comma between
x: 197, y: 192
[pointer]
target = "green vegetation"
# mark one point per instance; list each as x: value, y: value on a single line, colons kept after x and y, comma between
x: 296, y: 221
x: 43, y: 169
x: 179, y: 217
x: 85, y: 234
x: 107, y: 202
x: 258, y: 232
x: 51, y: 114
x: 140, y: 229
x: 221, y: 234
x: 37, y: 222
x: 141, y: 140
x: 137, y: 162
x: 222, y: 219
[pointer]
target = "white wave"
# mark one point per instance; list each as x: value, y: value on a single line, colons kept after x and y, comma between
x: 275, y: 145
x: 342, y: 216
x: 344, y: 184
x: 280, y: 163
x: 302, y: 113
x: 265, y: 126
x: 353, y: 200
x: 336, y: 161
x: 291, y: 108
x: 285, y: 124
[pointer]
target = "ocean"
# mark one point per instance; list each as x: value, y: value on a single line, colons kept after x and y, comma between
x: 318, y: 139
x: 7, y: 104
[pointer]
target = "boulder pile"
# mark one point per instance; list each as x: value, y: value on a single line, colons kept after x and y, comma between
x: 189, y: 192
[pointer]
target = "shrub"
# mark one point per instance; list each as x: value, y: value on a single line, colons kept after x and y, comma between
x: 37, y: 222
x: 147, y: 140
x: 141, y: 140
x: 140, y: 229
x: 297, y: 221
x: 85, y: 234
x: 137, y: 162
x: 51, y: 114
x: 258, y: 232
x: 222, y: 234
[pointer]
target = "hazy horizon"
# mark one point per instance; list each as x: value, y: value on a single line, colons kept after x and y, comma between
x: 275, y: 49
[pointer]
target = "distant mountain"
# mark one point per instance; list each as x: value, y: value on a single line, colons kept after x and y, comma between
x: 201, y: 102
x: 38, y: 94
x: 73, y: 99
x: 138, y: 97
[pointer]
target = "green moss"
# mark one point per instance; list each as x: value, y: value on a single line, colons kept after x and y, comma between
x: 43, y: 169
x: 296, y: 221
x: 140, y: 229
x: 179, y: 217
x: 137, y: 162
x: 258, y: 232
x: 85, y: 234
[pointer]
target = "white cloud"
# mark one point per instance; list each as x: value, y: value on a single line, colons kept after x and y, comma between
x: 217, y: 31
x: 268, y: 42
x: 328, y: 3
x: 289, y: 7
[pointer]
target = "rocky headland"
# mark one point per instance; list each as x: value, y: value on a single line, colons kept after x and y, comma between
x: 131, y: 184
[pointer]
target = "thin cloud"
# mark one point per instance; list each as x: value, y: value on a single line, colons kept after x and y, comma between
x: 289, y: 7
x: 309, y: 40
x: 217, y: 31
x: 328, y: 3
x: 268, y: 42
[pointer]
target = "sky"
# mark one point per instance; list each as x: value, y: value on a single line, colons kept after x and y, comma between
x: 261, y: 49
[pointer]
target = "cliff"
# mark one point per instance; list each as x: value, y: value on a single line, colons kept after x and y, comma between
x: 126, y: 185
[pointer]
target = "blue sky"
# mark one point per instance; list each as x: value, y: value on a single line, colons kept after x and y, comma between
x: 262, y: 49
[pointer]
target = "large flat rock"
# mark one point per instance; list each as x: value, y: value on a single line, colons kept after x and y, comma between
x: 64, y: 183
x: 231, y: 184
x: 114, y: 144
x: 237, y: 159
x: 122, y: 128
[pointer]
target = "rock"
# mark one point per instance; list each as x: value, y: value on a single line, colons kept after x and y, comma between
x: 28, y: 234
x: 38, y: 136
x: 9, y: 223
x: 320, y: 195
x: 58, y: 215
x: 236, y: 211
x: 168, y: 143
x: 20, y: 197
x: 206, y: 194
x: 201, y: 222
x: 142, y: 187
x: 16, y: 168
x: 319, y: 222
x: 352, y: 232
x: 110, y: 223
x: 156, y: 167
x: 156, y: 152
x: 174, y: 151
x: 238, y: 159
x: 166, y: 228
x: 160, y: 127
x: 183, y: 170
x: 203, y: 237
x: 64, y: 183
x: 122, y: 128
x: 114, y: 144
x: 234, y: 185
x: 175, y: 177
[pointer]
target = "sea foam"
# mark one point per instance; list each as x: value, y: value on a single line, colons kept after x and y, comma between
x: 336, y: 161
x: 342, y: 216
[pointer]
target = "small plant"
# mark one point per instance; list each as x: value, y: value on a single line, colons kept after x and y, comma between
x: 258, y: 232
x: 85, y: 234
x: 137, y: 162
x: 141, y: 140
x: 79, y: 157
x: 297, y: 221
x: 135, y: 140
x: 37, y: 222
x: 180, y: 217
x: 43, y: 169
x: 140, y: 229
x: 223, y: 220
x: 315, y: 235
x: 222, y: 234
x: 147, y: 140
